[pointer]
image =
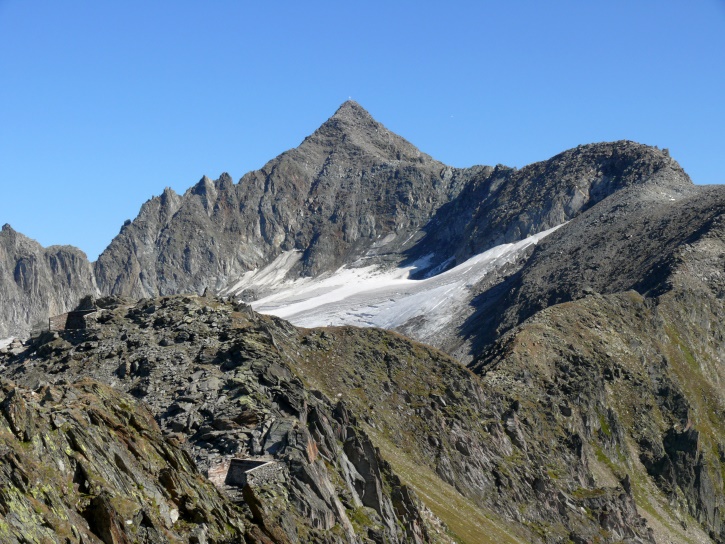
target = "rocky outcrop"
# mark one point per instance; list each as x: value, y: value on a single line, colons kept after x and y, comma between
x: 84, y: 463
x: 505, y: 205
x: 220, y: 381
x: 37, y: 282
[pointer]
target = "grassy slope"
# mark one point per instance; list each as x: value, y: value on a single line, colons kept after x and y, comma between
x: 391, y: 379
x: 632, y: 349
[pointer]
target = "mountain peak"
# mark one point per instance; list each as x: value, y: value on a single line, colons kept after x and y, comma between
x: 352, y: 125
x: 351, y: 118
x: 352, y: 111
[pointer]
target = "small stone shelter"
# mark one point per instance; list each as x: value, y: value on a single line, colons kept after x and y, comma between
x: 240, y: 472
x: 73, y: 321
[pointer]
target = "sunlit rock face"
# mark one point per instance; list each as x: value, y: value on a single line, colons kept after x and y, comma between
x: 37, y: 282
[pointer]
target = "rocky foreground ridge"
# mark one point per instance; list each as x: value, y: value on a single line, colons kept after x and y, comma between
x: 378, y: 435
x: 86, y: 463
x: 567, y: 431
x: 220, y: 386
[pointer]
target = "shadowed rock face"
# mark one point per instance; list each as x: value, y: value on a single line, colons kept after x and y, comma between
x: 505, y: 205
x: 37, y: 282
x: 631, y: 240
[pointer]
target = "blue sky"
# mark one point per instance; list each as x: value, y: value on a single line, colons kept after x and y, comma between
x: 103, y: 104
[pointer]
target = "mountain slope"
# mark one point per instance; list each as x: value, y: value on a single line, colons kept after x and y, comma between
x: 218, y: 382
x: 409, y: 428
x: 628, y: 241
x: 632, y: 382
x: 618, y: 317
x: 348, y: 185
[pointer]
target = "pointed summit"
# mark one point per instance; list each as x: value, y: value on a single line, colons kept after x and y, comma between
x: 351, y: 126
x: 351, y: 117
x: 352, y: 112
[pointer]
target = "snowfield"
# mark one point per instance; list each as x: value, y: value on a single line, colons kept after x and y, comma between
x: 5, y: 342
x: 374, y: 297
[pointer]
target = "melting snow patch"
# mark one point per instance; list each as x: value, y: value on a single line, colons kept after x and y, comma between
x: 271, y: 275
x: 5, y: 342
x: 373, y: 297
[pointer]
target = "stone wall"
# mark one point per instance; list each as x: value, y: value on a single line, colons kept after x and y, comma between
x: 218, y: 473
x: 266, y: 473
x: 57, y: 322
x: 240, y: 472
x: 83, y: 319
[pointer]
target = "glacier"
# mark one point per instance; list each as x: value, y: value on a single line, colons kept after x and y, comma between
x: 372, y: 296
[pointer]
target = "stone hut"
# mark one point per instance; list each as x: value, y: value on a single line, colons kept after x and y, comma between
x: 240, y: 472
x: 73, y: 321
x: 83, y: 317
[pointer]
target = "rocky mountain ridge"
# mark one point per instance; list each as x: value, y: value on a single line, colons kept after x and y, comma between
x: 591, y: 410
x: 352, y: 193
x: 506, y: 205
x: 347, y: 185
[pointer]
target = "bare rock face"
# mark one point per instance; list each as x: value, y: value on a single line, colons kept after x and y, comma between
x: 218, y: 381
x: 37, y: 282
x: 85, y: 463
x: 505, y: 205
x: 347, y: 186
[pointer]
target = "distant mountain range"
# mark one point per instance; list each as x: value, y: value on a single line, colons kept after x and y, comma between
x: 578, y: 304
x: 352, y: 193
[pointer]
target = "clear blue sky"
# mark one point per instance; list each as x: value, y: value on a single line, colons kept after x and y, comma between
x: 103, y: 104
